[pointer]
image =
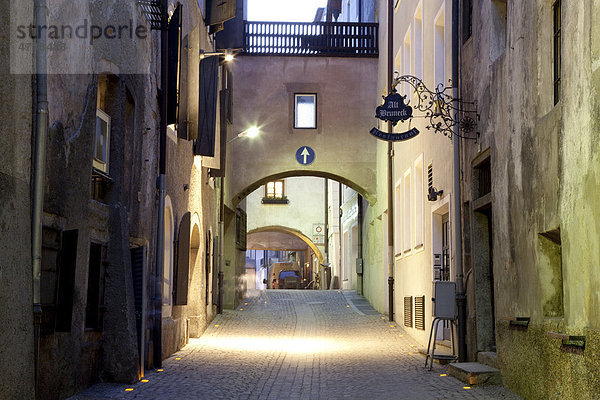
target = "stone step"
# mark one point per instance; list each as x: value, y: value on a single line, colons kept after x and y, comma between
x: 474, y: 373
x: 488, y: 358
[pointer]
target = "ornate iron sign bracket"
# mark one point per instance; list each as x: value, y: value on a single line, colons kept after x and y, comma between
x: 443, y: 111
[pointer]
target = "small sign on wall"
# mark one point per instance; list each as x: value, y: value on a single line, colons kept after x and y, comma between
x: 318, y: 239
x: 318, y: 229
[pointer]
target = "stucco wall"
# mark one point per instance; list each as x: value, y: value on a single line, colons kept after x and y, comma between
x: 414, y: 268
x: 306, y: 207
x: 262, y: 94
x: 544, y: 171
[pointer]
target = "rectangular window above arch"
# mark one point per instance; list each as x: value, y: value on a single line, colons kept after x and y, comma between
x: 275, y: 193
x: 304, y: 107
x: 305, y: 111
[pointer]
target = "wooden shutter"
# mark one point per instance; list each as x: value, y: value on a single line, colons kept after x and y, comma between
x: 420, y: 313
x: 207, y: 107
x: 215, y: 270
x: 137, y: 273
x: 240, y: 229
x: 183, y: 261
x: 138, y: 269
x: 182, y: 122
x: 408, y: 311
x: 173, y: 66
x: 66, y: 281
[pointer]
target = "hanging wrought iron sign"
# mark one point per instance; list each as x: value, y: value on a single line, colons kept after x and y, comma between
x: 394, y: 137
x: 445, y: 114
x: 394, y: 109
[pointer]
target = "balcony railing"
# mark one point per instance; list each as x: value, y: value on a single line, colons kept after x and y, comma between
x: 337, y: 39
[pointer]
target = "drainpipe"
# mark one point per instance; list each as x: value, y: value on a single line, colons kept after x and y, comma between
x: 340, y: 232
x: 458, y: 261
x: 161, y: 184
x: 326, y: 282
x: 360, y: 246
x: 41, y: 132
x: 221, y: 245
x: 390, y: 77
x: 360, y: 8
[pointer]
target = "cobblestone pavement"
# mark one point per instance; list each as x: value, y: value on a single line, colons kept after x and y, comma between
x: 289, y: 344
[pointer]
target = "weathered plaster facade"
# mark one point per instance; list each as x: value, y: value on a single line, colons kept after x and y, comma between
x: 263, y: 97
x: 94, y: 219
x: 534, y: 238
x: 16, y: 314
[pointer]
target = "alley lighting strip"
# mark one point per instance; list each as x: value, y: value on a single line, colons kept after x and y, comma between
x: 443, y: 111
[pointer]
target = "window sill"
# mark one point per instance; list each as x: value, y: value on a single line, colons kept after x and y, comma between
x: 282, y: 200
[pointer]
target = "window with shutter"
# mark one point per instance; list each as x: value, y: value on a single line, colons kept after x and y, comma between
x: 173, y: 67
x: 182, y: 121
x: 66, y: 281
x: 207, y: 107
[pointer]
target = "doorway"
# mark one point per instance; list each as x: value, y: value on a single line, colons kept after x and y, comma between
x: 442, y: 255
x: 484, y: 278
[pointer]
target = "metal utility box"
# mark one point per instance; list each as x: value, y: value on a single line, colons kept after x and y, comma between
x: 444, y: 300
x: 359, y: 265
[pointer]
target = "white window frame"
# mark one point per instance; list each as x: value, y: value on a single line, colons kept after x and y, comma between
x: 419, y: 196
x: 407, y: 213
x: 439, y: 46
x: 296, y: 96
x: 407, y: 61
x: 418, y: 64
x: 398, y: 218
x: 102, y: 165
x: 274, y: 196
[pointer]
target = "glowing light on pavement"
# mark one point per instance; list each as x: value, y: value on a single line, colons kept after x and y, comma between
x: 301, y: 345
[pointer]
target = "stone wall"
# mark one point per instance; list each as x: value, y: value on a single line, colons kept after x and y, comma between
x: 16, y: 314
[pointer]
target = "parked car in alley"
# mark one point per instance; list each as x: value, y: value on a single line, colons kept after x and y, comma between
x: 284, y: 275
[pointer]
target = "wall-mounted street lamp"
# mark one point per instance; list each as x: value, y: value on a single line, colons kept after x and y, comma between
x: 250, y: 133
x: 433, y: 194
x: 227, y: 54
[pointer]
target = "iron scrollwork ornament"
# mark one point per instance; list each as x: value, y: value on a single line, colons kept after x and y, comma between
x: 443, y: 111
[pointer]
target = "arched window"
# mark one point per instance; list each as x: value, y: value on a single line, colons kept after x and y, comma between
x: 168, y: 258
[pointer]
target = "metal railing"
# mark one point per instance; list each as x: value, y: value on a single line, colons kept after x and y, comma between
x: 337, y: 39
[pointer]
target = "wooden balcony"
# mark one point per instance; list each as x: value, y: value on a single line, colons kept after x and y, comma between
x: 325, y: 39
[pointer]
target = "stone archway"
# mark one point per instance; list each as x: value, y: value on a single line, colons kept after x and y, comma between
x: 294, y: 232
x: 238, y: 197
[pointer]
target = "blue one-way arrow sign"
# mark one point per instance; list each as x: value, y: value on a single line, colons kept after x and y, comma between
x: 305, y: 155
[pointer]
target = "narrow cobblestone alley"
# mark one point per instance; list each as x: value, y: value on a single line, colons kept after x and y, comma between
x: 298, y: 345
